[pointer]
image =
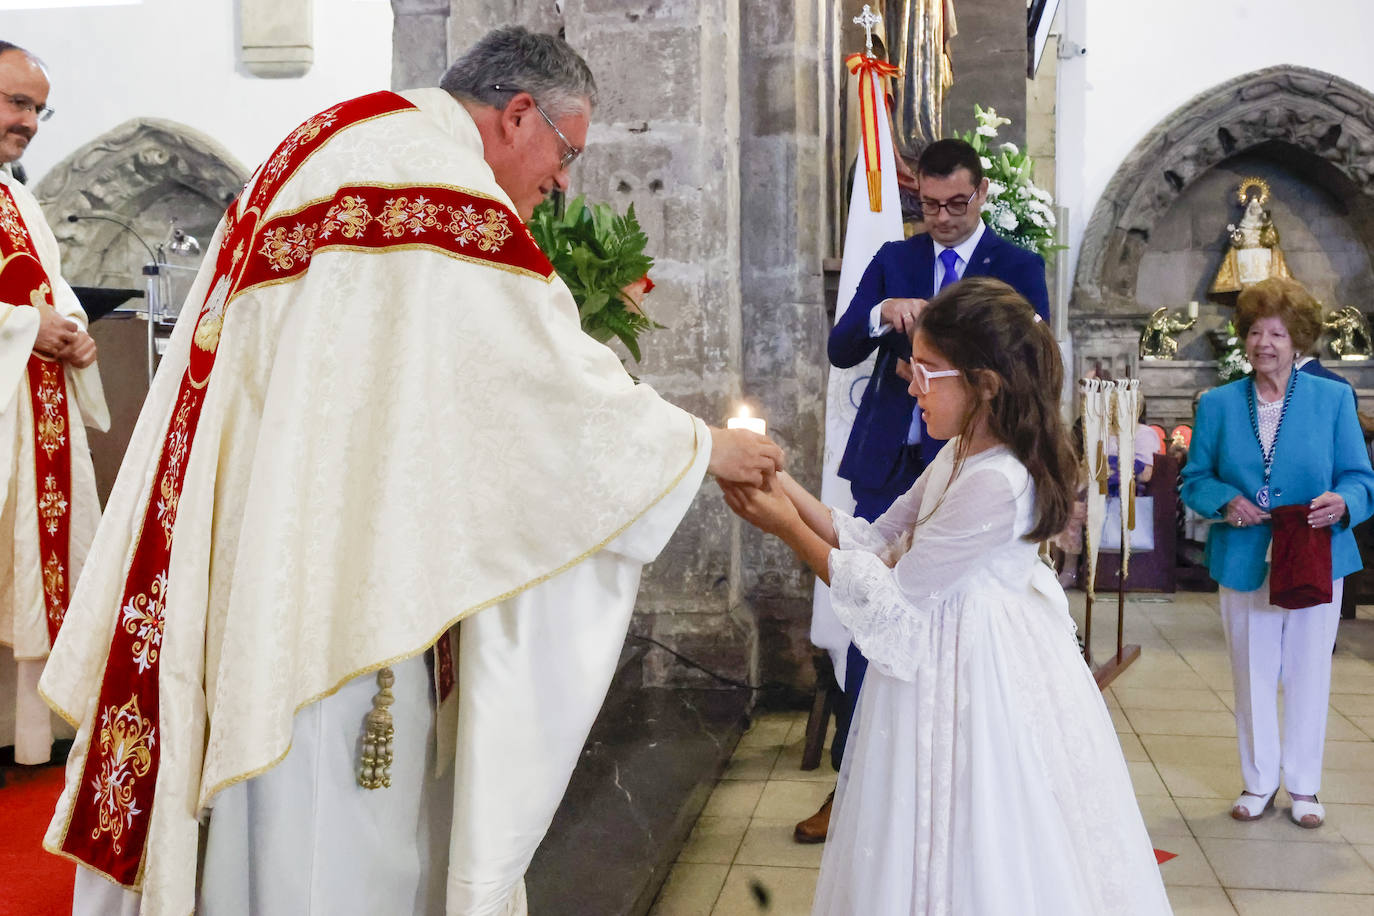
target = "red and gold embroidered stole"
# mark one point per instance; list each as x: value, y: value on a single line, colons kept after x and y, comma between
x: 24, y: 282
x: 110, y: 816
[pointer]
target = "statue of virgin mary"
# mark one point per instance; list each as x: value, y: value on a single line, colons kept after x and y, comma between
x: 1254, y: 252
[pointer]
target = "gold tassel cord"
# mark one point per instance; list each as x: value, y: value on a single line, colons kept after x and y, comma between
x: 375, y: 769
x: 875, y: 191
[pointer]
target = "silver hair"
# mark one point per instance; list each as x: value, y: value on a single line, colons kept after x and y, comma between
x: 511, y: 60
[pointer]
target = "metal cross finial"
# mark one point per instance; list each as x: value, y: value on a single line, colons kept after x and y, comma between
x: 867, y: 20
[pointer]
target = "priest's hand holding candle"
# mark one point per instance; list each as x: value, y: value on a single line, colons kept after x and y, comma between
x: 742, y: 452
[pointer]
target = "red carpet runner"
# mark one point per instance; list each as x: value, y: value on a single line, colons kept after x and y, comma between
x: 36, y: 883
x: 32, y: 882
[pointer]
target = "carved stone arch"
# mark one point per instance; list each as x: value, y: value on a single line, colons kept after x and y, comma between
x: 1322, y: 115
x: 145, y: 172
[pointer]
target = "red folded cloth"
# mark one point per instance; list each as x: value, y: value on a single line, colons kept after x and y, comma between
x: 1300, y: 564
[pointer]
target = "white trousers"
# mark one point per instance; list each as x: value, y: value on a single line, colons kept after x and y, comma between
x: 1270, y: 646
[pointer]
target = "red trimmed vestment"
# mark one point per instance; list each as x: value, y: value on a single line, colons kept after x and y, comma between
x: 48, y: 503
x: 377, y: 418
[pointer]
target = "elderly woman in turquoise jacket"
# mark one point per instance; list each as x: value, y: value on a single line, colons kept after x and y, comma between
x: 1279, y: 437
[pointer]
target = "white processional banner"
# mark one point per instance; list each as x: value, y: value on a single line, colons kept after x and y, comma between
x: 867, y: 230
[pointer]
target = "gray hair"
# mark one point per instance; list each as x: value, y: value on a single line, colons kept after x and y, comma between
x: 511, y: 60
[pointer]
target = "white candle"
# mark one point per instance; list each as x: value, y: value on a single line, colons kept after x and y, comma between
x: 745, y: 421
x: 1192, y: 309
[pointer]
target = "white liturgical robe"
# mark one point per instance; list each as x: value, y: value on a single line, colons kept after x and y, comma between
x: 23, y: 614
x: 378, y: 418
x: 532, y: 674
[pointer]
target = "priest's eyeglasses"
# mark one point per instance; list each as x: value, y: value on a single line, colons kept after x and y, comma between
x: 923, y: 376
x: 956, y: 207
x: 570, y: 152
x: 24, y: 104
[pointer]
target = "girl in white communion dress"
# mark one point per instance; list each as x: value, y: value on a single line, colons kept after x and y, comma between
x: 983, y: 777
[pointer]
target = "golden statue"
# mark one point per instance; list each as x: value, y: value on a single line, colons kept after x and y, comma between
x: 1254, y: 253
x: 918, y: 33
x: 1156, y: 341
x: 1353, y: 338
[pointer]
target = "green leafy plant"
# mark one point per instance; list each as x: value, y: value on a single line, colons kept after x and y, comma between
x: 599, y: 253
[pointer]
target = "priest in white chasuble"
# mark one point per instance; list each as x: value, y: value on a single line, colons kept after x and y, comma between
x: 382, y: 477
x: 49, y: 391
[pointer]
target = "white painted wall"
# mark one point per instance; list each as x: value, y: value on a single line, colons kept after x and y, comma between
x: 178, y: 59
x: 1144, y: 60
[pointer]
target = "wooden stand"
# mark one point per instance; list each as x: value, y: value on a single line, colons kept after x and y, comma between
x: 1106, y: 672
x: 822, y: 705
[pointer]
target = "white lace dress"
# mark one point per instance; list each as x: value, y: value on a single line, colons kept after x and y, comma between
x: 983, y: 776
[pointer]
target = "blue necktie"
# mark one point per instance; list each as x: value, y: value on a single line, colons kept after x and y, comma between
x: 949, y: 259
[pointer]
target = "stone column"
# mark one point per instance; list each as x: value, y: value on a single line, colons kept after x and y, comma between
x: 989, y: 66
x: 419, y: 42
x: 709, y: 125
x: 783, y: 235
x: 666, y: 138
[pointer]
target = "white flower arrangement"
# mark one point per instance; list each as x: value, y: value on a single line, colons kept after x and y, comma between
x: 1021, y: 211
x: 1232, y: 364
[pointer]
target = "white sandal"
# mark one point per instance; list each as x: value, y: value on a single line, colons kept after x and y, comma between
x: 1251, y: 807
x: 1307, y: 814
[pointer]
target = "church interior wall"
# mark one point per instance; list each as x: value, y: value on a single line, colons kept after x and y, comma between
x: 666, y: 137
x: 989, y: 55
x: 180, y: 60
x: 1325, y: 238
x: 1137, y: 68
x: 783, y: 237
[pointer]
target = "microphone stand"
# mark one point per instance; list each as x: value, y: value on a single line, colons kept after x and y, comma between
x: 152, y: 284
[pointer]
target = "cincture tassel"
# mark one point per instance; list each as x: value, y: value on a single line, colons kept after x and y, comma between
x: 375, y: 769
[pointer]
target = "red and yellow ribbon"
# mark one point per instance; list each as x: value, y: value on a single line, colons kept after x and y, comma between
x: 869, y: 70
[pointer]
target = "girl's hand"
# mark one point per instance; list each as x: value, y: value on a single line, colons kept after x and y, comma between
x: 766, y: 508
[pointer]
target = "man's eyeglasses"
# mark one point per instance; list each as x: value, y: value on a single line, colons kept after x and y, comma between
x: 570, y: 152
x: 922, y: 375
x: 23, y: 103
x: 954, y: 207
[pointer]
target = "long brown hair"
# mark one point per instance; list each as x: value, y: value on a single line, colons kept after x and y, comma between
x: 982, y: 325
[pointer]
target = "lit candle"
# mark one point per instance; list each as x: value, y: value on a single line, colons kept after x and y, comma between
x: 745, y: 421
x: 1192, y: 309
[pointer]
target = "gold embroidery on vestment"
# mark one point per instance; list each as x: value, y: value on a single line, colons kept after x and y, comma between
x: 51, y: 426
x: 12, y: 224
x: 126, y: 739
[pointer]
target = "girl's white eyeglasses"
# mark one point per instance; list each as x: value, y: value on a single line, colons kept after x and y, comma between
x: 922, y: 375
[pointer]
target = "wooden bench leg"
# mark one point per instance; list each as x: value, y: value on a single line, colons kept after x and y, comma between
x: 822, y: 704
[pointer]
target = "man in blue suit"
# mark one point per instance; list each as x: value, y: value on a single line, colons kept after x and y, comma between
x: 1312, y: 365
x: 888, y: 446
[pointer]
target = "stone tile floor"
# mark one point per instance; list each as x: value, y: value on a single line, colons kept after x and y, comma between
x: 1172, y: 714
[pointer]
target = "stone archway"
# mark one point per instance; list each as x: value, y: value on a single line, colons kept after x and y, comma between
x: 1329, y: 118
x: 145, y: 172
